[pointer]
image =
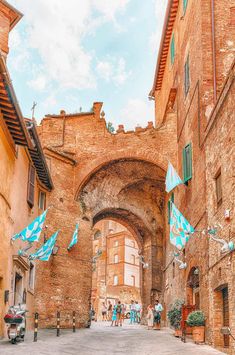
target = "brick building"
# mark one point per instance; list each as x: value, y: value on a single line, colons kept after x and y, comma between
x: 116, y: 273
x: 24, y: 183
x: 194, y: 81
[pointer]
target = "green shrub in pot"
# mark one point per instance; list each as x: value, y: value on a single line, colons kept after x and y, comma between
x: 196, y: 319
x: 174, y: 314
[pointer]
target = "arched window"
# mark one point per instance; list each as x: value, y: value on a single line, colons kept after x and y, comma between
x: 115, y: 258
x: 115, y: 280
x: 133, y: 259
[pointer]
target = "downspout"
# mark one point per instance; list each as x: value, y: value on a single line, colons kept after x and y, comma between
x: 213, y: 49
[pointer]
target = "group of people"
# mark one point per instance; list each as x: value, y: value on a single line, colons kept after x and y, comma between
x: 154, y: 315
x: 116, y: 313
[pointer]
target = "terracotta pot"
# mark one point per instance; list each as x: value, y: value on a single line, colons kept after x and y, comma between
x: 199, y: 334
x: 178, y: 333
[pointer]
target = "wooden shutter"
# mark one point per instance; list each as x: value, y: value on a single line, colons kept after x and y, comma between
x: 218, y: 188
x: 31, y: 185
x: 187, y: 162
x: 169, y: 206
x: 225, y: 314
x: 172, y: 49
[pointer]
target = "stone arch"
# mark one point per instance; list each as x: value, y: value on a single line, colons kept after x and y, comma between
x: 146, y: 155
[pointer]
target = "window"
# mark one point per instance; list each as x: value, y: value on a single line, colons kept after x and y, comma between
x: 218, y: 183
x: 31, y: 276
x: 42, y: 200
x: 115, y: 259
x: 187, y: 162
x: 115, y: 280
x: 133, y: 259
x: 132, y: 280
x: 31, y: 183
x: 115, y: 243
x: 185, y: 3
x: 186, y: 77
x: 18, y: 289
x: 169, y: 206
x: 172, y: 49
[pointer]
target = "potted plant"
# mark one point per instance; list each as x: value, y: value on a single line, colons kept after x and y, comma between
x: 196, y: 320
x: 175, y: 315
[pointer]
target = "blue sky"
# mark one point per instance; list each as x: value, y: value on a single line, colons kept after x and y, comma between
x: 68, y: 54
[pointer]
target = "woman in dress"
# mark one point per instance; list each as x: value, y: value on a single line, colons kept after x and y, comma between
x: 150, y: 316
x: 114, y: 316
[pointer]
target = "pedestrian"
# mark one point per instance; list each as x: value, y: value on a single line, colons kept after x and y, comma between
x: 150, y: 316
x: 137, y: 312
x: 104, y: 311
x: 123, y: 312
x: 110, y: 310
x: 157, y: 315
x: 119, y: 313
x: 132, y: 312
x: 114, y: 316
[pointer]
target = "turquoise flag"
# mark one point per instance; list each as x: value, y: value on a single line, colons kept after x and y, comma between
x: 172, y: 178
x: 32, y: 232
x: 46, y: 249
x: 74, y: 237
x: 180, y: 229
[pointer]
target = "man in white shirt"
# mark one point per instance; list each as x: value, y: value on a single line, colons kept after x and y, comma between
x: 157, y: 315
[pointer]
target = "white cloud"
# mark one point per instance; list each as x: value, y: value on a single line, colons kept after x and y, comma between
x: 56, y: 30
x: 155, y: 37
x: 137, y: 112
x: 114, y: 70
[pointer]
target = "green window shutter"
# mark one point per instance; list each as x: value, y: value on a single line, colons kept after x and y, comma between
x: 169, y: 206
x: 187, y: 162
x: 172, y: 49
x: 185, y: 3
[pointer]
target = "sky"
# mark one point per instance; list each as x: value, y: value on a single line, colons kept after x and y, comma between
x: 69, y: 54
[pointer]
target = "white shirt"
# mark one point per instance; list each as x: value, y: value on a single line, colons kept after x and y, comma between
x: 158, y: 307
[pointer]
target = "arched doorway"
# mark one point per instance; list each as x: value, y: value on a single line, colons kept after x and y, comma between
x: 193, y: 288
x: 116, y: 272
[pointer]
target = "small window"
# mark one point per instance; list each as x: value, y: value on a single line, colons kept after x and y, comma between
x: 185, y: 4
x: 31, y: 276
x: 133, y: 259
x: 31, y: 185
x: 187, y: 162
x: 218, y: 182
x: 115, y: 280
x: 42, y: 200
x: 172, y: 49
x: 115, y: 243
x: 169, y: 206
x: 132, y: 280
x: 186, y: 77
x: 115, y: 258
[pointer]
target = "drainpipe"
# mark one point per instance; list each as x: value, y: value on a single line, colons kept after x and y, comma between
x: 213, y: 49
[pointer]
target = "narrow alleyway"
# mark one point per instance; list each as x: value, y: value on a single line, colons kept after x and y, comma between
x: 104, y: 340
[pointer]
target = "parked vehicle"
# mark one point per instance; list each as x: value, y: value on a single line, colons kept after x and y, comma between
x: 15, y: 319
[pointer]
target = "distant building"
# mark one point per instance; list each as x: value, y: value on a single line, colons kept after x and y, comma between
x: 116, y: 273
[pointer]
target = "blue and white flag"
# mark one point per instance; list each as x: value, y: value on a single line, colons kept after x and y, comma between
x: 32, y: 232
x: 180, y: 229
x: 172, y: 178
x: 74, y: 237
x: 46, y: 249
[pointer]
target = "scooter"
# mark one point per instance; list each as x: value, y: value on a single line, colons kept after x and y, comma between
x: 15, y: 319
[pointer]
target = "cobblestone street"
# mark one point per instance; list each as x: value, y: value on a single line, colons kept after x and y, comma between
x: 104, y: 340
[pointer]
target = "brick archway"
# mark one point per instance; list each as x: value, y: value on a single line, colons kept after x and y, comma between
x: 147, y: 155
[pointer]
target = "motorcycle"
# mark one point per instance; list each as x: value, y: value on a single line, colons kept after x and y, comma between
x: 16, y: 321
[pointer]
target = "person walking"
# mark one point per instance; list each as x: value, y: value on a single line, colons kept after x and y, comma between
x: 132, y: 312
x: 119, y: 313
x: 150, y: 316
x: 110, y: 310
x: 114, y: 316
x: 157, y: 315
x: 137, y: 312
x: 123, y: 312
x: 104, y: 311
